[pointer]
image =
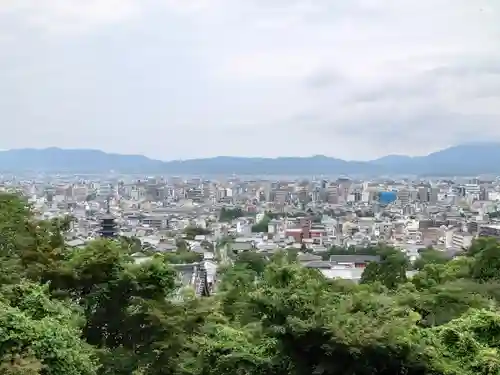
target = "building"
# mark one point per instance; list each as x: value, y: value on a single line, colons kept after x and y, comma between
x: 155, y: 221
x: 356, y: 261
x: 461, y: 240
x: 387, y: 197
x: 108, y: 226
x: 349, y: 267
x: 332, y: 194
x: 423, y: 193
x: 432, y: 195
x: 489, y: 230
x: 280, y: 196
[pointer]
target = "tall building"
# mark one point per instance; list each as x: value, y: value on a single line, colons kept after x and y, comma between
x: 432, y: 195
x: 332, y: 194
x: 280, y: 196
x: 404, y: 197
x: 423, y: 193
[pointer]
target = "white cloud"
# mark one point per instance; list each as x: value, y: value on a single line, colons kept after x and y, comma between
x: 181, y: 78
x: 63, y: 16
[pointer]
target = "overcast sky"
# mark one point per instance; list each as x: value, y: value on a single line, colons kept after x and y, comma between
x: 176, y: 79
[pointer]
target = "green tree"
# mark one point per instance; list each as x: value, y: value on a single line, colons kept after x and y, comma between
x: 229, y: 214
x: 225, y: 348
x: 339, y: 250
x: 191, y: 232
x: 182, y: 245
x: 444, y: 302
x: 436, y: 274
x: 126, y: 306
x: 94, y: 311
x: 41, y: 336
x: 262, y: 225
x: 252, y: 260
x: 182, y: 257
x: 28, y: 246
x: 133, y: 244
x: 474, y: 340
x: 390, y: 271
x: 487, y: 261
x: 237, y: 282
x: 319, y: 331
x: 430, y: 256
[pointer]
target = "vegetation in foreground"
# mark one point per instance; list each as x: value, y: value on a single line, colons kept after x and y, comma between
x: 93, y: 311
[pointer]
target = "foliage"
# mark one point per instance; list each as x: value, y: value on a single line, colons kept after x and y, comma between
x: 224, y: 241
x: 494, y: 214
x: 94, y: 311
x: 191, y: 232
x: 351, y: 250
x: 39, y: 335
x: 132, y: 243
x: 182, y: 257
x: 251, y: 260
x: 430, y: 256
x: 182, y: 245
x: 487, y: 261
x: 262, y: 225
x: 390, y: 271
x: 229, y: 214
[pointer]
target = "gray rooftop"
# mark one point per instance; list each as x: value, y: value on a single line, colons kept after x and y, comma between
x: 354, y: 258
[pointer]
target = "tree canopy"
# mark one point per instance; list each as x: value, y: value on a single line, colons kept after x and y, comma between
x: 192, y: 231
x: 262, y: 225
x: 95, y: 311
x: 229, y: 214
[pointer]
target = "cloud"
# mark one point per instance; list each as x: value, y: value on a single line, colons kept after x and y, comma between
x: 179, y: 79
x: 63, y: 16
x: 323, y: 79
x: 468, y: 79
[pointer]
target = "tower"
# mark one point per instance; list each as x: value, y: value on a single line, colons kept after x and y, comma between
x: 108, y: 225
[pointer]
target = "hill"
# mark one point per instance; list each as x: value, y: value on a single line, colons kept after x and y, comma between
x: 82, y: 161
x: 468, y: 159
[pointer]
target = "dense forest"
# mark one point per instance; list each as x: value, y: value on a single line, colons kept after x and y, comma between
x: 94, y: 311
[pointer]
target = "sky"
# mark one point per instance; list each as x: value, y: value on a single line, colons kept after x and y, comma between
x: 181, y: 79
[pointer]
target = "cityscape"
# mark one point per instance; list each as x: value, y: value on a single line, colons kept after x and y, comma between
x: 250, y: 187
x: 266, y: 216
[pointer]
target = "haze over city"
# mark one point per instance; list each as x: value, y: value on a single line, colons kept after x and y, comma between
x: 183, y: 79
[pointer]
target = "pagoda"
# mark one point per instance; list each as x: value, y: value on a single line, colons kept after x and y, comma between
x: 108, y: 225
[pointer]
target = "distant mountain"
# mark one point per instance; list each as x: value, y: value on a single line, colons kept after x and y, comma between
x: 65, y: 160
x: 468, y: 159
x: 314, y: 165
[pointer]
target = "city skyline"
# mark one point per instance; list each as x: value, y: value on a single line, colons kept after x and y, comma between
x: 176, y: 81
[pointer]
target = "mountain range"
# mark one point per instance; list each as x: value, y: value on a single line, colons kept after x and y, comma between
x: 466, y: 159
